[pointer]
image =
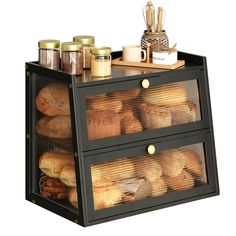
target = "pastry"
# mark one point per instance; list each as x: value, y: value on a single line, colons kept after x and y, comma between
x: 55, y: 127
x: 183, y: 113
x: 159, y: 187
x: 118, y: 170
x: 52, y: 163
x: 106, y: 104
x: 193, y: 163
x: 134, y: 188
x: 105, y: 197
x: 180, y: 182
x: 154, y: 117
x: 73, y: 198
x: 102, y: 124
x: 67, y: 175
x: 130, y: 125
x: 127, y: 94
x: 172, y: 162
x: 148, y: 168
x: 165, y: 95
x: 53, y: 188
x: 53, y: 100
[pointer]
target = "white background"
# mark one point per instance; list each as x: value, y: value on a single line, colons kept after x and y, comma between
x: 201, y: 27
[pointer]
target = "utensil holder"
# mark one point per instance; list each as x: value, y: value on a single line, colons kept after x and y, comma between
x: 155, y: 39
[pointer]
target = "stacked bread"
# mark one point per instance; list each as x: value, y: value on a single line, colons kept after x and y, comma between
x: 166, y: 105
x: 112, y: 114
x: 53, y: 102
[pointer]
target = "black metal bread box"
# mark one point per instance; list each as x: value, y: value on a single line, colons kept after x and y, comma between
x: 99, y: 149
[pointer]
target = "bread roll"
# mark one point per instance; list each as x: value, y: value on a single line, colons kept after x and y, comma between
x: 127, y: 94
x: 165, y: 95
x: 53, y: 188
x: 159, y: 187
x: 102, y: 124
x: 134, y: 189
x: 148, y: 168
x: 193, y: 163
x: 130, y: 125
x: 183, y: 113
x: 67, y: 175
x: 53, y: 100
x: 180, y: 182
x: 105, y: 197
x: 172, y: 162
x: 73, y: 198
x: 118, y: 170
x: 106, y: 104
x: 55, y: 127
x: 52, y: 163
x: 154, y: 117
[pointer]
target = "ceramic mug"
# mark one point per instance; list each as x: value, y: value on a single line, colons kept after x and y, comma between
x: 133, y: 53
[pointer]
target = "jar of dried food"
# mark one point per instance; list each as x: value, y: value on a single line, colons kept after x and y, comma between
x: 72, y: 57
x: 49, y: 53
x: 101, y: 62
x: 88, y: 43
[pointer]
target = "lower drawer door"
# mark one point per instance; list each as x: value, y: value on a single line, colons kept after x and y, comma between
x: 147, y: 177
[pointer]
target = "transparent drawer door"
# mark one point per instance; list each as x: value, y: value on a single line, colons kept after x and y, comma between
x: 130, y: 179
x: 136, y: 110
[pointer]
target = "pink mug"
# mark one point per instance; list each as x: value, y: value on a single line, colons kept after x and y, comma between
x: 133, y: 53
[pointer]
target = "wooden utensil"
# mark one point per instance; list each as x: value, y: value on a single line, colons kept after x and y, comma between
x: 159, y: 20
x: 149, y: 17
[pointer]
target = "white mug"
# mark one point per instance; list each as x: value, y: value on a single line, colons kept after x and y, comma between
x: 133, y: 53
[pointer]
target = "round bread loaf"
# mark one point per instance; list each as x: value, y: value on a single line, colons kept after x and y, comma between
x: 172, y: 162
x: 67, y: 175
x: 105, y: 197
x: 193, y: 163
x: 127, y: 94
x: 180, y: 182
x: 53, y: 100
x: 73, y: 198
x: 165, y: 95
x: 52, y: 163
x: 148, y: 168
x: 55, y: 127
x: 53, y: 188
x: 118, y: 170
x: 159, y: 187
x: 154, y: 117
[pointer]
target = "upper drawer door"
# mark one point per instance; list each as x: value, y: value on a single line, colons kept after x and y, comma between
x: 135, y: 110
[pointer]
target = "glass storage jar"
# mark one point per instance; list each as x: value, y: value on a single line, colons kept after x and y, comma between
x: 88, y: 43
x: 49, y: 53
x: 101, y: 62
x: 72, y: 57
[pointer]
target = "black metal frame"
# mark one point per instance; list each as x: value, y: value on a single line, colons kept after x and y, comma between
x: 86, y: 152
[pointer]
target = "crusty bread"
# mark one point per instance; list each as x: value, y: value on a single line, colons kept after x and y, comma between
x: 52, y: 163
x: 67, y: 175
x: 53, y: 100
x: 55, y: 127
x: 165, y: 95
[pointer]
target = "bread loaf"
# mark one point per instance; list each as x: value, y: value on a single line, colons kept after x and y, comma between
x: 159, y: 187
x: 55, y: 127
x: 67, y: 175
x: 52, y: 163
x: 73, y: 198
x: 53, y: 100
x: 172, y: 162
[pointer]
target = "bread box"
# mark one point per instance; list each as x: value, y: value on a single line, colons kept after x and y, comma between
x: 99, y: 149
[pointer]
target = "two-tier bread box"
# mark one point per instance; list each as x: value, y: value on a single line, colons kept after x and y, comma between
x: 103, y: 149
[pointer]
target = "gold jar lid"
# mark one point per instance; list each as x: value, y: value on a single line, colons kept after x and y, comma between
x: 49, y: 44
x: 84, y: 39
x: 71, y: 46
x: 101, y: 51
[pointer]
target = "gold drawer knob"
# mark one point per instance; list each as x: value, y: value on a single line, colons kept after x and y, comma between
x: 151, y: 149
x: 145, y: 83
